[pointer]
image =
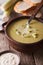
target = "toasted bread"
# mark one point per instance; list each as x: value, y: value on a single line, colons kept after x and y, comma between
x: 26, y: 8
x: 29, y: 12
x: 22, y: 6
x: 33, y: 2
x: 36, y: 1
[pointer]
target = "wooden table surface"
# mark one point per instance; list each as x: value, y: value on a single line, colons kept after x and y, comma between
x: 26, y: 59
x: 35, y: 58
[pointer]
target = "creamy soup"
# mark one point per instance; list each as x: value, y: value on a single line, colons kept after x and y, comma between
x: 36, y: 25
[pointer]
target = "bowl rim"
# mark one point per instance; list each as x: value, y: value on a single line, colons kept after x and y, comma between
x: 14, y: 41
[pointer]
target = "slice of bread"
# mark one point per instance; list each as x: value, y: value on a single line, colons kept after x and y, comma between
x: 25, y: 8
x: 21, y: 6
x: 29, y: 12
x: 29, y: 2
x: 36, y: 1
x: 33, y: 2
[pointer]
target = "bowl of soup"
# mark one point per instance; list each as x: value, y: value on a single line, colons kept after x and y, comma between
x: 23, y: 39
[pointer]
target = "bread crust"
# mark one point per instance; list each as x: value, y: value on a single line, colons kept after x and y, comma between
x: 20, y: 11
x: 27, y: 12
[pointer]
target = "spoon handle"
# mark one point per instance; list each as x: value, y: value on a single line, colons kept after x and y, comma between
x: 36, y: 11
x: 39, y: 6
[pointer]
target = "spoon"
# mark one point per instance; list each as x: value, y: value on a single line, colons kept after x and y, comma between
x: 35, y: 13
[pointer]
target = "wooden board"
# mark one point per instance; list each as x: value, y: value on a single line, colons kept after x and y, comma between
x: 4, y: 45
x: 38, y: 56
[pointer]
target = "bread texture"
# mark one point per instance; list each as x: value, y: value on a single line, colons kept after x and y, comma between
x: 21, y: 6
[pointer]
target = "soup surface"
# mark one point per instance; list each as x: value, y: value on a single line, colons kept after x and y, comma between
x: 38, y: 26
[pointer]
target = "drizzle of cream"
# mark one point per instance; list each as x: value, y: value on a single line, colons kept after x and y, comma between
x: 26, y: 31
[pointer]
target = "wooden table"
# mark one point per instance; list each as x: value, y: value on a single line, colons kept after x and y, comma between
x: 26, y: 59
x: 35, y: 58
